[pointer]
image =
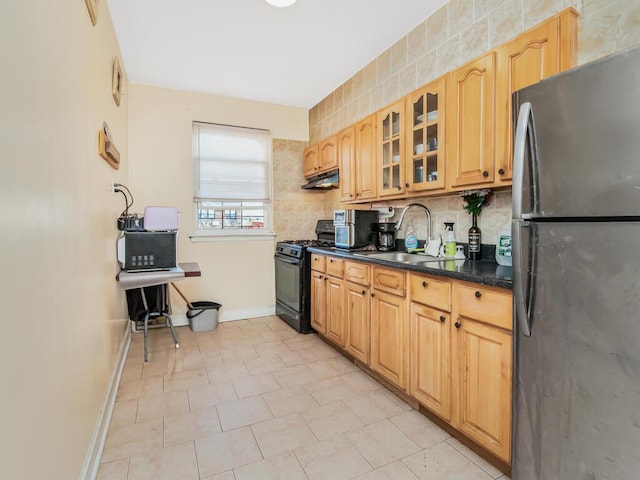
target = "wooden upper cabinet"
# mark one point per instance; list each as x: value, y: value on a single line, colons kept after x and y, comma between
x: 321, y: 157
x: 456, y: 132
x: 425, y: 155
x: 535, y: 54
x: 366, y: 158
x: 472, y: 127
x: 346, y: 161
x: 357, y: 157
x: 328, y: 152
x: 391, y: 132
x: 311, y: 161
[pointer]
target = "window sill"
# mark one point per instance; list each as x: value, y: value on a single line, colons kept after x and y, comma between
x: 228, y: 237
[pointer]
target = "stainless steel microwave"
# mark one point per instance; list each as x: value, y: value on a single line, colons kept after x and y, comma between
x: 354, y: 228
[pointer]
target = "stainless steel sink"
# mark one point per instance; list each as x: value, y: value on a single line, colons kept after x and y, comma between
x: 400, y: 257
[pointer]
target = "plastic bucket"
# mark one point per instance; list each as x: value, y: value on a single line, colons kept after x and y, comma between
x: 203, y: 317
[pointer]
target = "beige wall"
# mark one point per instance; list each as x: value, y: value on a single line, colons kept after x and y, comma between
x: 237, y: 274
x: 455, y: 34
x: 63, y: 317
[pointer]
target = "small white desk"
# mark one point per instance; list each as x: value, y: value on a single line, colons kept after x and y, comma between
x: 139, y: 280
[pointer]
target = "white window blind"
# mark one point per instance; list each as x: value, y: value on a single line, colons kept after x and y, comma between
x: 232, y: 179
x: 231, y: 163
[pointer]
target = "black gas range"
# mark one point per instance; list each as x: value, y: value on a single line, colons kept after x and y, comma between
x: 293, y: 276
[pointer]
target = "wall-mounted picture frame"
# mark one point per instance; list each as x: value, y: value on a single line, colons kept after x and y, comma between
x: 92, y: 6
x: 116, y: 81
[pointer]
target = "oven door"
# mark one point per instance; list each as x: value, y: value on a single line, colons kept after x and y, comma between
x: 289, y: 282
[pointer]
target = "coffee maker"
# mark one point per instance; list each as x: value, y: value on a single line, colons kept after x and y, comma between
x: 385, y: 236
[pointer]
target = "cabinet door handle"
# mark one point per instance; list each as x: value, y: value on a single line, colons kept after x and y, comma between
x: 442, y: 318
x: 406, y: 185
x: 331, y: 260
x: 485, y: 174
x: 363, y: 292
x: 478, y: 294
x: 458, y: 324
x: 399, y: 187
x: 501, y: 171
x: 326, y: 278
x: 424, y: 284
x: 373, y: 294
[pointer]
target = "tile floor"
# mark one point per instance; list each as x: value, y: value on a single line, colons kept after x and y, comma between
x: 255, y: 400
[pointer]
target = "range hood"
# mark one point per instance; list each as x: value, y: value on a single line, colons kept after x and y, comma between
x: 323, y: 181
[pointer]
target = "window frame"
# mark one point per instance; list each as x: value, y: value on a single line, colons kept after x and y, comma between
x: 212, y: 234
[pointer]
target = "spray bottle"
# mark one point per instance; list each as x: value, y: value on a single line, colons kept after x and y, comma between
x: 449, y: 240
x: 410, y: 240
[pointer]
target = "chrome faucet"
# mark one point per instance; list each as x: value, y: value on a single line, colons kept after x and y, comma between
x: 404, y: 211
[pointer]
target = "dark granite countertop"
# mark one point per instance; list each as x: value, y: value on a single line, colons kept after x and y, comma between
x: 485, y: 272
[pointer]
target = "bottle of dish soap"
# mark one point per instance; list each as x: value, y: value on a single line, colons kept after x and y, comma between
x: 503, y: 247
x: 410, y: 240
x: 449, y: 240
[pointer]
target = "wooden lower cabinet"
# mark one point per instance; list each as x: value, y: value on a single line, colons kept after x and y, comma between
x: 389, y: 337
x: 318, y: 302
x: 430, y: 355
x: 335, y: 325
x: 448, y: 343
x: 460, y: 362
x: 357, y: 313
x: 327, y: 297
x: 484, y: 385
x: 482, y: 344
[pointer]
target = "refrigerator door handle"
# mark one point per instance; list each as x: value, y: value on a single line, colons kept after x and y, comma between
x: 522, y: 306
x: 525, y: 120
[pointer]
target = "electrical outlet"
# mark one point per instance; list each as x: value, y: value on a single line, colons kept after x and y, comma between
x: 113, y: 187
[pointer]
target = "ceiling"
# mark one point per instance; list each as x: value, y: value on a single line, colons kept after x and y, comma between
x: 248, y: 49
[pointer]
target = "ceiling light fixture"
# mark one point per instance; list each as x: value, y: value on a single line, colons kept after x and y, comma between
x: 281, y: 3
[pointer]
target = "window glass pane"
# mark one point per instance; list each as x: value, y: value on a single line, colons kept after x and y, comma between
x: 231, y: 215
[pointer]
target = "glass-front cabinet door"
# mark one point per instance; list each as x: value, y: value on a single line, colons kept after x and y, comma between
x: 425, y: 149
x: 391, y: 156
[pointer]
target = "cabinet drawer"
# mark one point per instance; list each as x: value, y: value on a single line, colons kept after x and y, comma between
x: 357, y: 273
x: 318, y: 262
x: 335, y: 267
x: 430, y: 291
x: 392, y: 281
x: 492, y: 306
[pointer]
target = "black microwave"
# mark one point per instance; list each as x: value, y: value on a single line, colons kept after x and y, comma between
x: 148, y: 250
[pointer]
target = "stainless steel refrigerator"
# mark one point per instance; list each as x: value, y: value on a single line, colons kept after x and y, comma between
x: 576, y: 260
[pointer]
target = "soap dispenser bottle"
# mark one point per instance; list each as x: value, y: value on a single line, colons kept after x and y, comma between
x: 449, y: 240
x: 410, y: 240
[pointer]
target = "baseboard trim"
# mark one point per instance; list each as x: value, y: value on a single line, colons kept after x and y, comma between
x: 241, y: 314
x: 94, y: 454
x: 180, y: 319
